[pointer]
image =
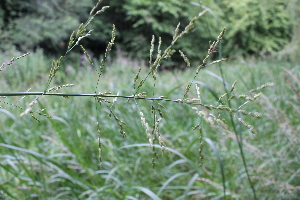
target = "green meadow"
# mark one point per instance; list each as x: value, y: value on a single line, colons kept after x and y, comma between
x: 58, y: 157
x: 118, y: 114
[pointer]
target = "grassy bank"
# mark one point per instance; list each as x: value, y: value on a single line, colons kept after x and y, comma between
x: 57, y: 158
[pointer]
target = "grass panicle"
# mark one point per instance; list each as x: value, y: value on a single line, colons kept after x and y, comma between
x: 60, y: 161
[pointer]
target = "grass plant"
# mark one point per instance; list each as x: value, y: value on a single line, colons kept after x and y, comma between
x: 57, y: 157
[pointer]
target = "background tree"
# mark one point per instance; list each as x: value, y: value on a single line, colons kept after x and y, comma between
x: 254, y: 27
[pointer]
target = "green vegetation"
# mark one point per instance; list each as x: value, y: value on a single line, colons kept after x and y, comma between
x: 207, y: 132
x: 57, y: 158
x: 255, y: 27
x: 268, y: 35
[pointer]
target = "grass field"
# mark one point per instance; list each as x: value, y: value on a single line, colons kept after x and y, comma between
x: 57, y: 158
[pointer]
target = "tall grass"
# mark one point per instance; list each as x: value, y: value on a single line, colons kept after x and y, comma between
x: 57, y: 158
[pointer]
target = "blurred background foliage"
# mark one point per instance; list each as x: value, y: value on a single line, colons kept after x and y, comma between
x: 254, y: 27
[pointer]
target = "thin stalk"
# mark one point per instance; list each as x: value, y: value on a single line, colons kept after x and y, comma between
x: 238, y: 137
x: 98, y: 95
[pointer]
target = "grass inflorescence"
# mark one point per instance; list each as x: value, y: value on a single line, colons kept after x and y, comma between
x: 199, y: 131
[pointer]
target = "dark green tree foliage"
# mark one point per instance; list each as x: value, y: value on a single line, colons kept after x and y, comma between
x: 253, y: 26
x: 29, y: 24
x: 47, y: 24
x: 291, y: 51
x: 256, y: 26
x: 136, y: 21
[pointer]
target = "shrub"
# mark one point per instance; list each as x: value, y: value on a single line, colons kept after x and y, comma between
x: 136, y: 21
x: 256, y: 27
x: 292, y: 50
x: 31, y: 24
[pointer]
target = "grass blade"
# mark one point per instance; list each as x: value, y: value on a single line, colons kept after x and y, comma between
x: 189, y: 186
x: 219, y: 78
x: 169, y: 181
x: 8, y: 114
x: 69, y: 175
x: 147, y: 192
x: 216, y: 152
